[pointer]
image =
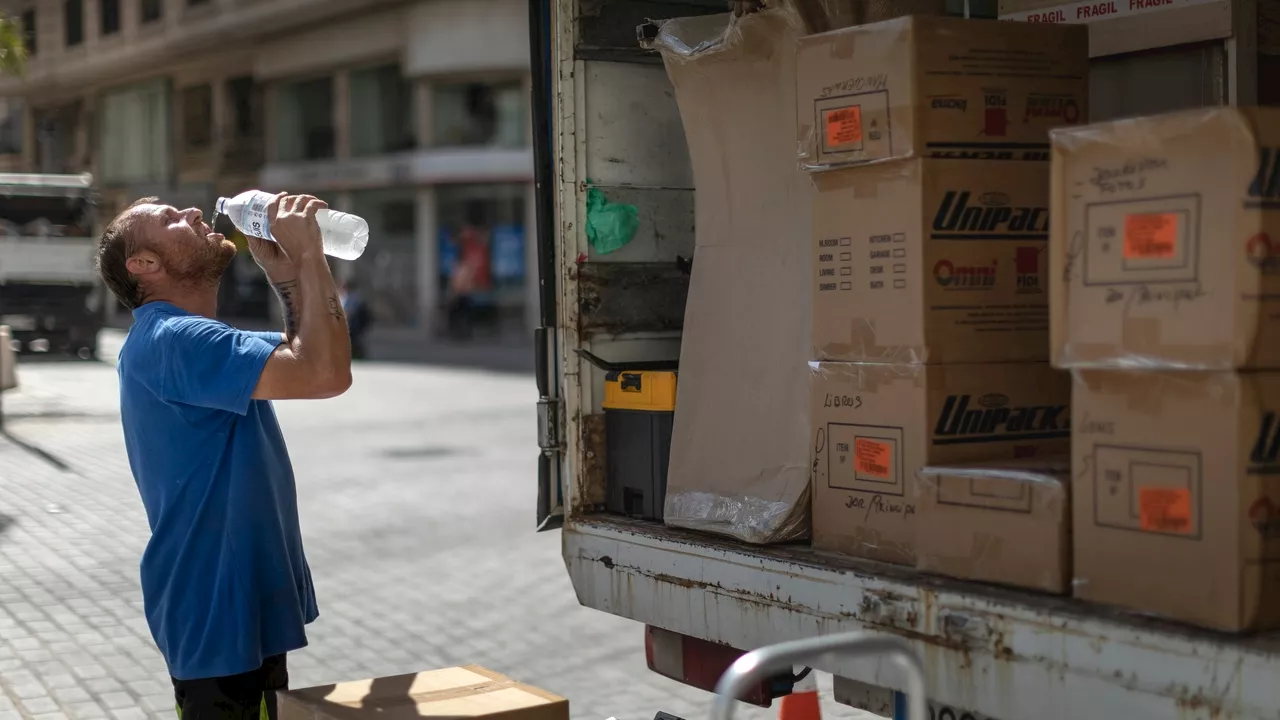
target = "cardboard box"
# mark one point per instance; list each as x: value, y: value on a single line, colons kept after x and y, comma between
x: 938, y: 86
x: 939, y: 261
x: 1177, y: 495
x: 461, y: 692
x: 876, y: 425
x: 1162, y: 238
x: 740, y: 443
x: 1003, y: 522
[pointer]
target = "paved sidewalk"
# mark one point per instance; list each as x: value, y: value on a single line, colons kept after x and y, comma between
x: 417, y: 495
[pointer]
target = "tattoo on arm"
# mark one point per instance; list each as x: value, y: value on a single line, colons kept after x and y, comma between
x: 335, y: 308
x: 288, y: 292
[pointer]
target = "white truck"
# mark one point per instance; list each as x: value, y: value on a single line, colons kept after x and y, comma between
x: 605, y: 111
x: 50, y: 296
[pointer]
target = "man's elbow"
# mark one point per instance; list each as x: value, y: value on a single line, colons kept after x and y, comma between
x: 321, y: 381
x: 333, y: 383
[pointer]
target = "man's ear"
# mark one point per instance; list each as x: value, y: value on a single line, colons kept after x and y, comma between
x: 143, y: 263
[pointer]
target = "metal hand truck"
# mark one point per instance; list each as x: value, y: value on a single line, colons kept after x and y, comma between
x: 755, y: 666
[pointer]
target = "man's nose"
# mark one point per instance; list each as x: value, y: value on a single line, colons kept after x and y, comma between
x: 194, y: 215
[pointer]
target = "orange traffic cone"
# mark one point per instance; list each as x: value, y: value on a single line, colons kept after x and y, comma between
x: 802, y: 703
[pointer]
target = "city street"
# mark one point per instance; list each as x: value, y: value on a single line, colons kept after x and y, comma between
x: 417, y: 496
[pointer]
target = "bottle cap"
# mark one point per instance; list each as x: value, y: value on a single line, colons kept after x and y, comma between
x: 221, y: 207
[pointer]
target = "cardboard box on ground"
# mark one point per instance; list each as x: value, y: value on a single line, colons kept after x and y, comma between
x: 1177, y: 494
x: 1165, y: 244
x: 875, y: 425
x: 1006, y: 522
x: 461, y: 692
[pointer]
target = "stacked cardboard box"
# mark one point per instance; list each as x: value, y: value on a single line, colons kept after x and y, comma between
x: 1001, y: 522
x: 1167, y: 310
x: 927, y: 142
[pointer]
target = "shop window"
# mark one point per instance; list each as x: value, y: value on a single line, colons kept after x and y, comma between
x: 381, y: 111
x: 197, y: 117
x: 109, y: 16
x: 12, y: 126
x: 29, y: 30
x: 136, y: 134
x: 73, y: 21
x: 304, y: 120
x: 469, y: 114
x: 244, y: 95
x: 151, y: 10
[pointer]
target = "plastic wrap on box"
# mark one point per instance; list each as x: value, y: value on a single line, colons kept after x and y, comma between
x: 1165, y: 243
x: 1004, y: 522
x: 739, y: 453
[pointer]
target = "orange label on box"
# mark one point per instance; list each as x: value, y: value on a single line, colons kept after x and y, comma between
x: 844, y: 126
x: 1165, y: 509
x: 872, y: 458
x: 1149, y: 236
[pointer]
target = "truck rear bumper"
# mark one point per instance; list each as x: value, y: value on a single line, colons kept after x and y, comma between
x: 1003, y: 653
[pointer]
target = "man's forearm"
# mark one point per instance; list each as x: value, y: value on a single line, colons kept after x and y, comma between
x: 321, y: 339
x: 287, y: 291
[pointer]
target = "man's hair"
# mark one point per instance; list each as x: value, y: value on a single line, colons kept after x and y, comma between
x: 118, y: 243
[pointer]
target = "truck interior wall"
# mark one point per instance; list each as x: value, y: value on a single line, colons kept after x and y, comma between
x: 1268, y: 79
x: 607, y: 28
x: 1268, y: 44
x: 1156, y: 81
x: 631, y: 301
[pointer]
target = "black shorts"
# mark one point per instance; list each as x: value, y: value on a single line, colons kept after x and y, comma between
x: 247, y: 696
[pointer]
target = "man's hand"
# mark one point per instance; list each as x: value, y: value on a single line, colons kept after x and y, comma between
x: 269, y: 255
x: 294, y: 226
x: 296, y: 235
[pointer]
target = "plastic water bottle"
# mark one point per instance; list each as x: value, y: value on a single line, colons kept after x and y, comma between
x: 343, y: 235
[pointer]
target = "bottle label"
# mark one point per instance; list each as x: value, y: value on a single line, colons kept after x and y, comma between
x: 256, y: 221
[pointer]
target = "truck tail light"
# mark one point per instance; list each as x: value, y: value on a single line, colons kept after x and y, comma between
x: 700, y: 663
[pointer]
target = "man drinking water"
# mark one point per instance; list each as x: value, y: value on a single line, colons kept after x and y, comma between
x: 225, y: 582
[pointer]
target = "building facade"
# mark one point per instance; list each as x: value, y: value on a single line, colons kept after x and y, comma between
x: 412, y: 114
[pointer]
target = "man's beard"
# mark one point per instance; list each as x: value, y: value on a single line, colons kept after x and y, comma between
x: 204, y: 268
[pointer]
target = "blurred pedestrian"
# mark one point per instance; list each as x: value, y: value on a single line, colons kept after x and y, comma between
x: 358, y: 316
x: 226, y: 586
x: 470, y: 278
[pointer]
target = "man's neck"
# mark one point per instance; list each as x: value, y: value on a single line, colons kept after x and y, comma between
x: 197, y: 303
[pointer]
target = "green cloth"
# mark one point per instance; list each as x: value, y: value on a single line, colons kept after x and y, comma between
x: 610, y: 225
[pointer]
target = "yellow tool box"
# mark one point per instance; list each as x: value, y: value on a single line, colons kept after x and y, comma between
x: 639, y: 409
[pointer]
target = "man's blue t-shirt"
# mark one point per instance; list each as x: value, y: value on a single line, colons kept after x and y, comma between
x: 224, y: 579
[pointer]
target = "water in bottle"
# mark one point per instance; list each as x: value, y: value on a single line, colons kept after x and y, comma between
x: 344, y: 235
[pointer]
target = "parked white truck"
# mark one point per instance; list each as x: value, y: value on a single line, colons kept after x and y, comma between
x: 604, y: 111
x: 50, y: 296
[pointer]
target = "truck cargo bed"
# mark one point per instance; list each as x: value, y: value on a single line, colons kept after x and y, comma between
x: 607, y: 122
x: 1001, y: 652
